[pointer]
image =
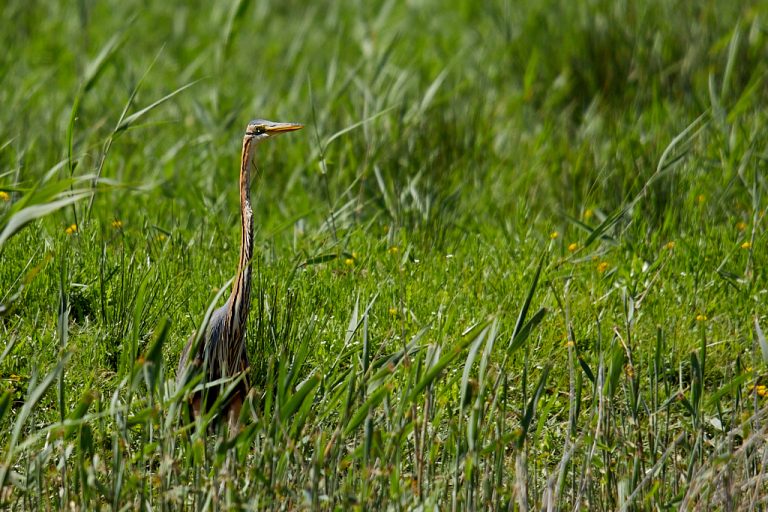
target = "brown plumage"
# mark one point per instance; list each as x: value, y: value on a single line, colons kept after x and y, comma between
x: 221, y: 351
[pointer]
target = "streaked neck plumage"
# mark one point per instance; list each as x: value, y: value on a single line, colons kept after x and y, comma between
x: 239, y: 301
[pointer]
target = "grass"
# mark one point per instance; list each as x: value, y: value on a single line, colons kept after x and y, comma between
x: 516, y: 260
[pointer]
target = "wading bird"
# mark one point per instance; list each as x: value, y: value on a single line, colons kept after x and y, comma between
x: 221, y: 351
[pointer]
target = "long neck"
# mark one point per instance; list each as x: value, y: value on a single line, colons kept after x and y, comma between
x: 239, y: 301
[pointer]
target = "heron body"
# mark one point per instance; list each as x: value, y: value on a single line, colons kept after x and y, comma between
x: 221, y: 351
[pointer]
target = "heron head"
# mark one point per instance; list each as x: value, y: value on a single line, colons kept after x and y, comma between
x: 260, y: 129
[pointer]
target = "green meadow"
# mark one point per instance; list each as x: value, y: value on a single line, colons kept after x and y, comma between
x: 516, y: 259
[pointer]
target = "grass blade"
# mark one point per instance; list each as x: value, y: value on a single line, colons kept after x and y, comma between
x: 433, y: 372
x: 518, y: 335
x: 295, y: 401
x: 34, y: 212
x: 530, y: 409
x: 761, y: 341
x: 133, y: 118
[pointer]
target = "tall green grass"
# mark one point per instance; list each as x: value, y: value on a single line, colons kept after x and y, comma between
x: 516, y: 260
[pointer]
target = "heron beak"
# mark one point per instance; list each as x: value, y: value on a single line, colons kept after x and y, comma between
x: 276, y: 128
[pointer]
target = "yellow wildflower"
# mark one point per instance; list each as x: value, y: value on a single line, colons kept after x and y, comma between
x: 349, y: 262
x: 701, y: 198
x: 761, y: 390
x: 393, y: 311
x: 4, y: 196
x: 588, y: 213
x: 602, y: 266
x: 117, y: 224
x: 554, y: 235
x: 160, y: 237
x: 701, y: 317
x: 71, y: 229
x: 572, y: 247
x: 746, y: 245
x: 741, y: 226
x: 394, y: 249
x: 670, y: 245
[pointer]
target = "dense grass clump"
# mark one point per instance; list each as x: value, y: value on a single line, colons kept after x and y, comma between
x: 516, y: 260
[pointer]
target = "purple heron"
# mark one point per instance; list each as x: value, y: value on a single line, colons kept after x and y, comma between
x: 221, y: 351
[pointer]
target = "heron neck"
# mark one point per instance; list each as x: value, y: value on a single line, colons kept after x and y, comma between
x: 239, y: 301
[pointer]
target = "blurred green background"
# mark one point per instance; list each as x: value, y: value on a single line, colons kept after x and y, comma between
x: 447, y: 145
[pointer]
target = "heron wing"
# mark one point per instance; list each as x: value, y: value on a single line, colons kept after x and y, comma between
x: 205, y: 349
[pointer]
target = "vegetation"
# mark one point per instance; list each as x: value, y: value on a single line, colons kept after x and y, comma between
x: 516, y: 260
